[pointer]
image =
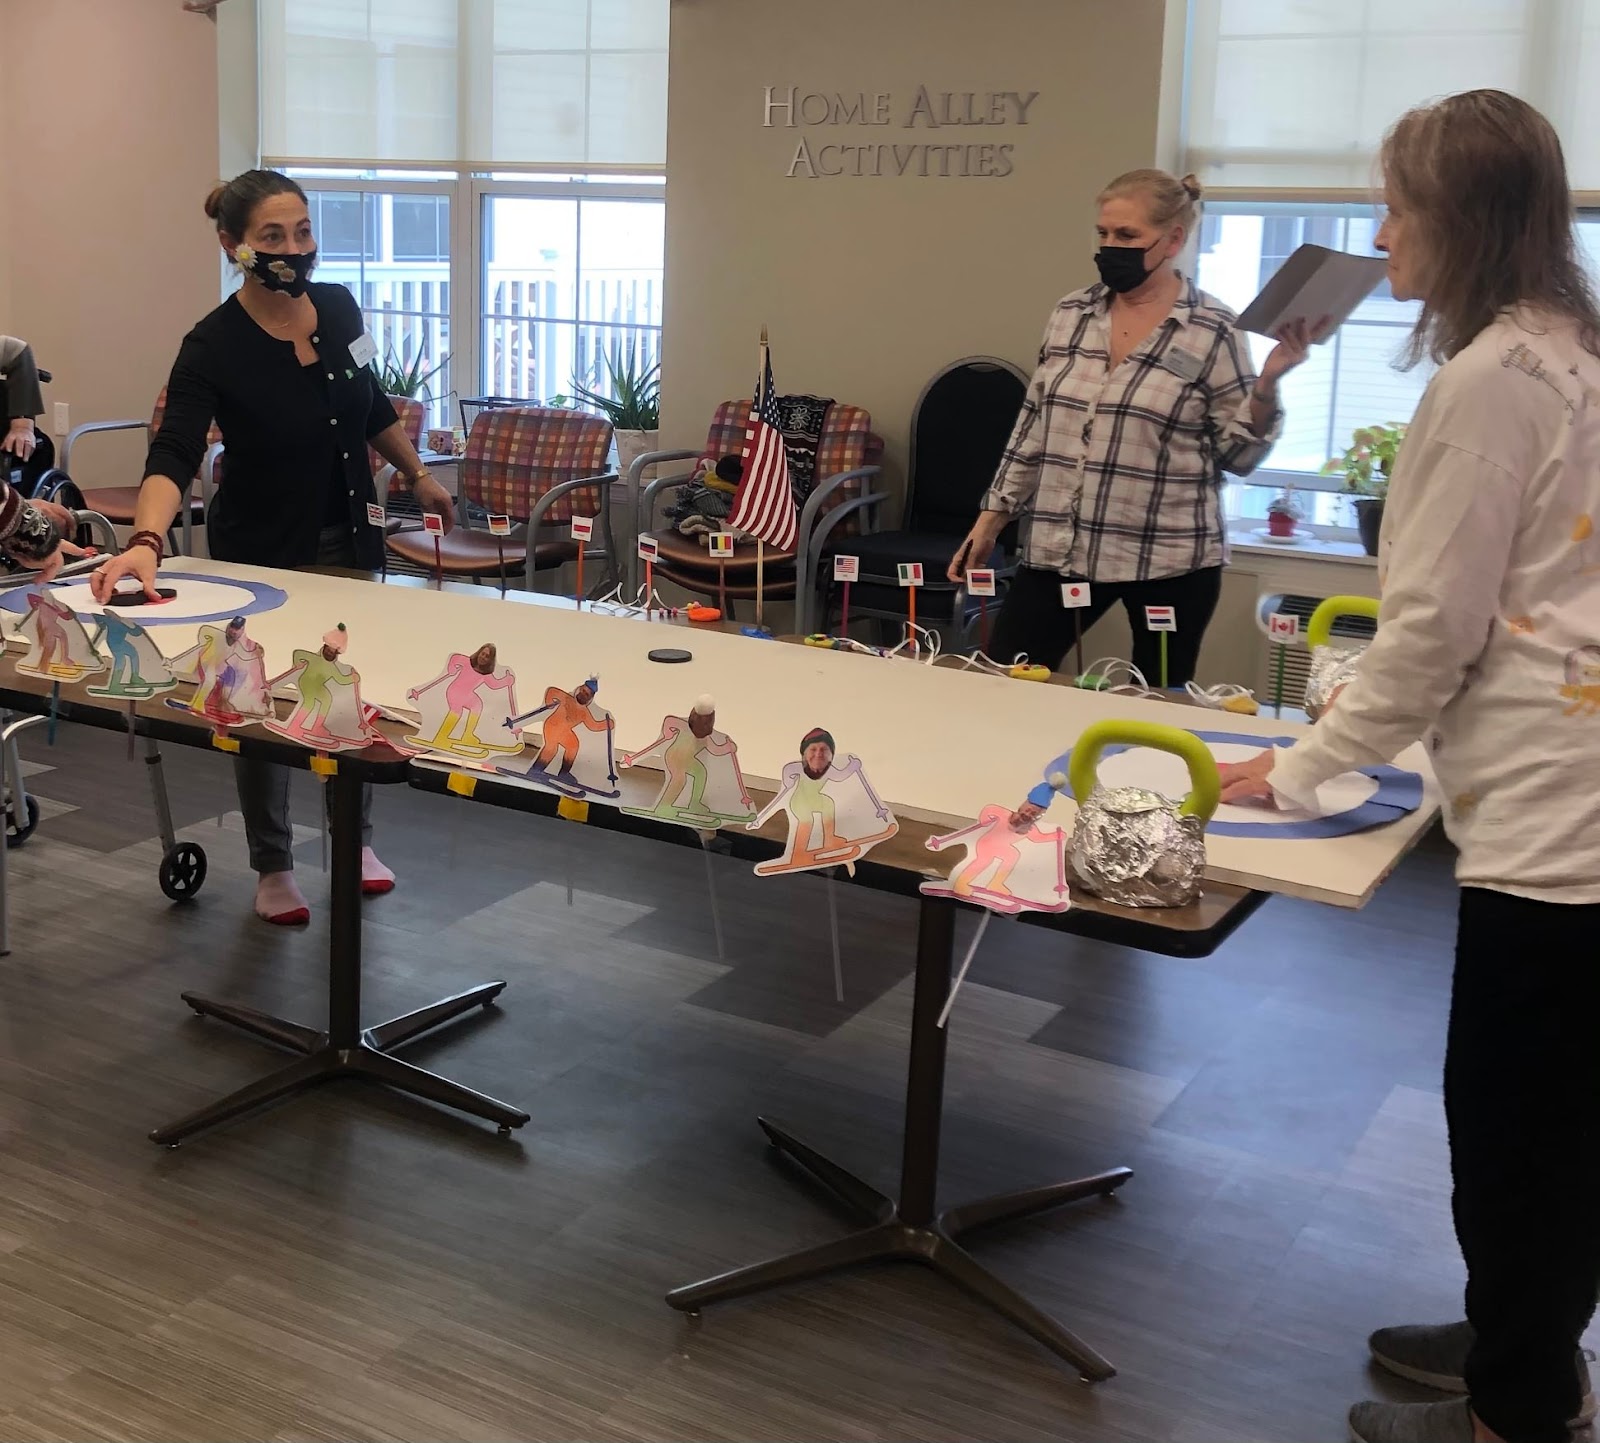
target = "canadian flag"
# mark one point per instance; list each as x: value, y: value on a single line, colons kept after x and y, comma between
x: 1283, y: 628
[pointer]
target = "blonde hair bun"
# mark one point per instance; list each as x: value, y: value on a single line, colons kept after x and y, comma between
x: 1167, y: 200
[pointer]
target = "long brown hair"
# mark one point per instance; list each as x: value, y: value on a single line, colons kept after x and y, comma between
x: 1482, y: 178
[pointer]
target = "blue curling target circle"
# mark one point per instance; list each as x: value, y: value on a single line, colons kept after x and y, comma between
x: 1371, y: 797
x: 200, y: 599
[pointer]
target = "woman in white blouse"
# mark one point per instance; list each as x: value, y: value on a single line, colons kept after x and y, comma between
x: 1143, y: 397
x: 1488, y: 643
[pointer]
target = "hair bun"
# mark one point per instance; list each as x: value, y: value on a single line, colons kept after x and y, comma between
x: 1191, y: 183
x: 214, y: 201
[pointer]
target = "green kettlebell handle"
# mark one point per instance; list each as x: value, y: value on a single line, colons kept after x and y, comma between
x: 1205, y: 787
x: 1319, y: 630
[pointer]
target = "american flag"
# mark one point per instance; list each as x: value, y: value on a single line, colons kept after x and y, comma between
x: 764, y: 504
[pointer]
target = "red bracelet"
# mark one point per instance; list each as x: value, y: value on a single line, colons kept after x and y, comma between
x: 150, y: 539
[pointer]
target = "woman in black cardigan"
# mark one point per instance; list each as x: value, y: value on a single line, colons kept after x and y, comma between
x: 282, y: 367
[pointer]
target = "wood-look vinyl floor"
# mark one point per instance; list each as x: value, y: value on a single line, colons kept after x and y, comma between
x: 358, y: 1266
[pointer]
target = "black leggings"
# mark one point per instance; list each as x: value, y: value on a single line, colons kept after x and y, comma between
x: 1522, y: 1099
x: 1033, y: 620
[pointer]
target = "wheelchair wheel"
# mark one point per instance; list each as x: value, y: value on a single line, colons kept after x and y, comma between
x: 183, y: 871
x: 18, y: 832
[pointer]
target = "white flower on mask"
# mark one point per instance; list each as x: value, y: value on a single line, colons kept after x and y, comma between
x: 244, y: 256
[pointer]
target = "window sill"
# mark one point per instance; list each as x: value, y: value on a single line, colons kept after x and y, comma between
x: 1345, y: 553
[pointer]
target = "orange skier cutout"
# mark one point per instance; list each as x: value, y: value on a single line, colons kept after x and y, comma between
x: 1006, y: 868
x: 581, y: 772
x: 835, y: 818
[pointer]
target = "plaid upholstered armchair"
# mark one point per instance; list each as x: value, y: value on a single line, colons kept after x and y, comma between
x: 117, y: 503
x: 539, y: 466
x: 838, y: 505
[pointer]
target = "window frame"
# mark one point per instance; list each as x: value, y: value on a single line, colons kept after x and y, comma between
x: 467, y: 194
x: 482, y: 188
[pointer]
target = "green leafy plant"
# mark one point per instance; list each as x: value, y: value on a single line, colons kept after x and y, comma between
x: 635, y: 400
x: 407, y: 375
x: 1368, y: 462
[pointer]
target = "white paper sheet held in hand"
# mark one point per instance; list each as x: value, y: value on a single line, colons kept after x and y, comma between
x: 1314, y: 282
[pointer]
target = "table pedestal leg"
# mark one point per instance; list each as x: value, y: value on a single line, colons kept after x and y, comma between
x: 344, y: 1048
x: 908, y: 1230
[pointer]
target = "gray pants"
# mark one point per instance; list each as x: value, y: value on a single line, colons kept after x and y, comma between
x: 264, y: 786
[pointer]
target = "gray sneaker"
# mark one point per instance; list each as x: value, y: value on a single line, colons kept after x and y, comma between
x: 1412, y: 1422
x: 1435, y: 1355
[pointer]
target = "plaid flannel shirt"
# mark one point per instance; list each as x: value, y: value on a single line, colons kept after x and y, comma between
x: 1120, y: 474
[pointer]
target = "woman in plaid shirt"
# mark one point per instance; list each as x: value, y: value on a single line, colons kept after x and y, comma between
x: 1143, y: 397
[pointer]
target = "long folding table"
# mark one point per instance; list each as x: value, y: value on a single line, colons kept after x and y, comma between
x: 938, y: 743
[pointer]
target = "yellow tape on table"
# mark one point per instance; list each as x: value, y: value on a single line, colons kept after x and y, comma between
x: 572, y: 809
x: 463, y: 784
x: 224, y: 744
x: 324, y: 766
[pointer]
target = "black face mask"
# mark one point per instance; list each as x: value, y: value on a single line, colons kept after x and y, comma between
x: 287, y: 273
x: 1122, y: 267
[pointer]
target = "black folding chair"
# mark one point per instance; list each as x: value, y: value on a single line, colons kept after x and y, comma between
x: 959, y: 429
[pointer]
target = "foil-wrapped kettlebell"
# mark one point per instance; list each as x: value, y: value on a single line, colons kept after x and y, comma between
x: 1332, y: 666
x: 1131, y: 845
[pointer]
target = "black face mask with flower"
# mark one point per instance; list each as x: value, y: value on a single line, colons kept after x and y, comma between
x: 287, y: 273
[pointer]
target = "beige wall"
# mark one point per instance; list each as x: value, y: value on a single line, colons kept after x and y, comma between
x: 869, y: 285
x: 112, y: 137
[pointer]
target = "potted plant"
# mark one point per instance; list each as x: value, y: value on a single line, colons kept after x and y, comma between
x: 1367, y: 464
x: 1284, y: 512
x: 633, y: 406
x: 407, y: 375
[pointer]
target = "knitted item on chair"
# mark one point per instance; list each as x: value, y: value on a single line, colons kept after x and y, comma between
x: 801, y: 419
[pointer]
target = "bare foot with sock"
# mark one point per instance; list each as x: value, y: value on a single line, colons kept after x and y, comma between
x: 376, y: 879
x: 280, y: 901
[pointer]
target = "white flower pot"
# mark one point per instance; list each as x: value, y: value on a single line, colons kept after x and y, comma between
x: 633, y: 444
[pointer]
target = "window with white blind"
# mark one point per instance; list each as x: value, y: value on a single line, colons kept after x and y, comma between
x: 1296, y: 94
x: 1350, y: 381
x: 1286, y: 105
x: 464, y: 84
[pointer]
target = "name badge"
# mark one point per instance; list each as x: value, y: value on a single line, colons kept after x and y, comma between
x: 362, y: 350
x: 1183, y: 364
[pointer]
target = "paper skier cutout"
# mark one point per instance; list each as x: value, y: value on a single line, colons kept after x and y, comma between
x: 1005, y: 869
x: 59, y: 648
x: 835, y: 818
x: 138, y: 669
x: 575, y: 757
x: 703, y: 786
x: 230, y: 676
x: 328, y: 715
x: 463, y: 712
